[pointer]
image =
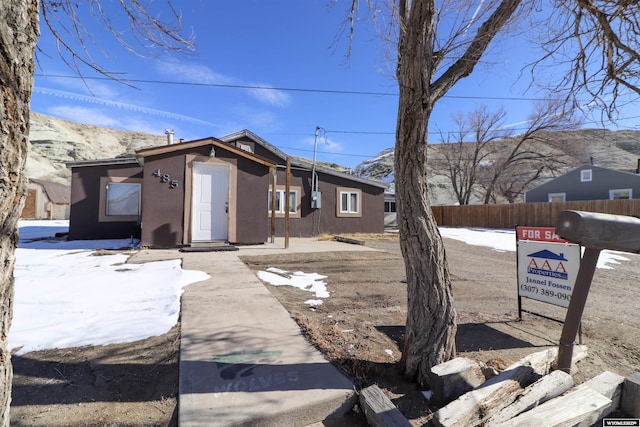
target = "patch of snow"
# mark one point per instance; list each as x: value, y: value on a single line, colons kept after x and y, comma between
x: 503, y: 240
x: 66, y: 296
x: 311, y: 282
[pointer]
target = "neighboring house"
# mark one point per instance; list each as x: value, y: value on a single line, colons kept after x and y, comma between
x: 588, y: 182
x: 46, y: 200
x: 213, y: 190
x: 390, y: 217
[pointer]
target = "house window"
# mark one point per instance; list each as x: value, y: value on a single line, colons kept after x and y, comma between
x: 349, y: 202
x: 625, y: 193
x: 123, y: 199
x: 245, y: 147
x: 120, y: 199
x: 294, y: 205
x: 586, y: 175
x: 389, y: 207
x: 557, y: 197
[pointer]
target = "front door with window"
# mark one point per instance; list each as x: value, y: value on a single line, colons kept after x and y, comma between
x: 210, y: 203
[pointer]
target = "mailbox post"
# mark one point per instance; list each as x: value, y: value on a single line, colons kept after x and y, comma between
x: 595, y: 232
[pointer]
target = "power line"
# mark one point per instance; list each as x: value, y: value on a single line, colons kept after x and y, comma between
x: 308, y: 90
x: 284, y: 89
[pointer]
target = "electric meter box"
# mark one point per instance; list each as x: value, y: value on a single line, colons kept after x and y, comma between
x: 316, y: 197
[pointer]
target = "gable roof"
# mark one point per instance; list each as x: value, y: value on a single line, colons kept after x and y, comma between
x: 60, y: 194
x: 577, y: 170
x: 300, y: 163
x: 162, y: 149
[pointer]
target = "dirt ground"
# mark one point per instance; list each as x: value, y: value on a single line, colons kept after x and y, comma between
x: 360, y: 328
x: 132, y: 384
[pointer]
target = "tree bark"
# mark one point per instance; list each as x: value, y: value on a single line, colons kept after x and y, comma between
x: 431, y: 327
x: 431, y: 318
x: 18, y: 36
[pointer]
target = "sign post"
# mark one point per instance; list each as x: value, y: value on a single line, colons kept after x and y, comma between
x: 595, y: 231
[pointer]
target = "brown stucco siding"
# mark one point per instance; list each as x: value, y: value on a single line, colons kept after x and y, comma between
x: 163, y: 200
x: 86, y: 189
x: 313, y: 222
x: 252, y: 209
x: 167, y: 210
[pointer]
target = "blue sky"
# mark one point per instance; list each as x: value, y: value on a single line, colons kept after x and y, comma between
x: 280, y: 44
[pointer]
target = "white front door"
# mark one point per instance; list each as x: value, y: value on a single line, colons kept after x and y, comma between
x: 210, y: 203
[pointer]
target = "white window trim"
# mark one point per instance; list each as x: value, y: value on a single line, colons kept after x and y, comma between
x: 586, y: 175
x: 102, y: 205
x: 294, y: 211
x: 351, y: 211
x: 620, y: 190
x: 550, y: 196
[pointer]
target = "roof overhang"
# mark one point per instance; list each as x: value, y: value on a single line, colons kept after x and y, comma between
x: 104, y: 162
x: 164, y: 149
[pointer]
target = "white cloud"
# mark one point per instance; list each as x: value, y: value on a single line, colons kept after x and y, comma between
x: 84, y: 115
x: 71, y: 96
x: 197, y: 73
x: 274, y: 97
x: 93, y: 88
x: 325, y: 144
x: 256, y: 119
x: 193, y: 73
x: 99, y: 117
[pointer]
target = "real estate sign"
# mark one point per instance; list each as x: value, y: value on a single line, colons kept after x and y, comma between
x: 547, y: 265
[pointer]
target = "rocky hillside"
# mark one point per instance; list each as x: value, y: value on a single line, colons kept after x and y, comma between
x: 618, y: 150
x: 55, y: 141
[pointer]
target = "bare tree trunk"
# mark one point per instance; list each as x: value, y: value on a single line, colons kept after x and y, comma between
x: 18, y: 36
x: 431, y: 328
x: 431, y: 325
x: 431, y: 319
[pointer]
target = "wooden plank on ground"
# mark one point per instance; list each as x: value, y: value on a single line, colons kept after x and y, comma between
x: 580, y: 407
x: 473, y: 407
x: 379, y: 410
x: 544, y: 389
x: 344, y: 239
x: 609, y: 385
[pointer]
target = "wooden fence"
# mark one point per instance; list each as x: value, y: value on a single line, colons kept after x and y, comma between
x: 531, y: 214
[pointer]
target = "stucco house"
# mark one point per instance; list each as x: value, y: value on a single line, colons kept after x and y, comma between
x: 588, y: 182
x: 215, y: 190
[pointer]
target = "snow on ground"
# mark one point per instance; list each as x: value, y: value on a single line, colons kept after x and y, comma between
x: 505, y: 240
x: 311, y: 282
x: 67, y: 294
x: 498, y: 239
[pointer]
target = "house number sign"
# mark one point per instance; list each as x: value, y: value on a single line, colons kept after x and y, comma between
x: 173, y: 183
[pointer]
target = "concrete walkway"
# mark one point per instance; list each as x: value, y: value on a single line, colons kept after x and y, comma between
x: 243, y: 360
